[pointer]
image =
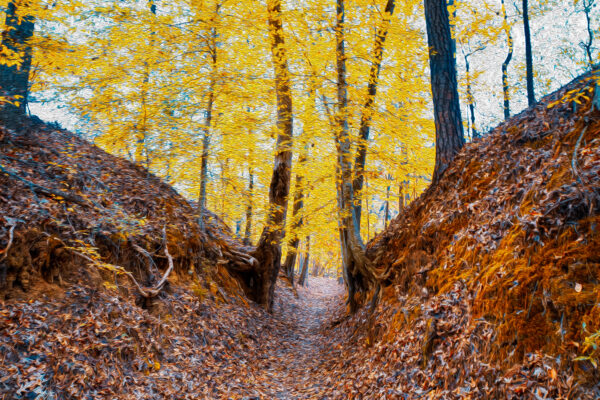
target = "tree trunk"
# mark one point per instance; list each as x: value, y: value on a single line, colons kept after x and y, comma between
x: 528, y: 56
x: 141, y: 144
x: 248, y: 230
x: 207, y: 123
x: 268, y: 250
x: 357, y: 272
x: 367, y: 111
x: 304, y: 273
x: 509, y: 42
x: 14, y: 79
x: 587, y: 9
x: 444, y: 88
x: 470, y: 98
x: 297, y: 221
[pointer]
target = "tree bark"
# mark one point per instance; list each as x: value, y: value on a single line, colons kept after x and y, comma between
x: 367, y: 111
x: 14, y: 79
x: 357, y: 272
x: 248, y: 230
x: 207, y: 123
x: 304, y: 272
x: 528, y: 56
x: 444, y: 88
x: 509, y: 42
x: 587, y: 9
x: 470, y: 98
x: 268, y: 250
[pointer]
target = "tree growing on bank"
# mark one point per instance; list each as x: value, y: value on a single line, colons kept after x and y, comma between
x: 268, y: 250
x: 15, y: 69
x: 446, y: 107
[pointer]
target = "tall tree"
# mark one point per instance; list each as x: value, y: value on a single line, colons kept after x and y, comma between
x: 14, y: 76
x: 367, y: 110
x: 509, y: 42
x: 212, y: 50
x: 528, y: 55
x: 444, y: 88
x: 357, y: 273
x: 268, y: 250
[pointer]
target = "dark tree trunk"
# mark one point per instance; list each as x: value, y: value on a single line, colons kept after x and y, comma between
x: 297, y: 218
x: 14, y: 79
x: 587, y: 9
x: 367, y: 111
x: 470, y: 98
x: 509, y: 42
x: 248, y: 230
x: 304, y: 272
x: 528, y: 56
x: 207, y: 123
x: 268, y: 250
x: 448, y: 124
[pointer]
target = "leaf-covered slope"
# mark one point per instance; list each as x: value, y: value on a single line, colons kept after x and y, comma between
x: 510, y: 238
x: 62, y: 198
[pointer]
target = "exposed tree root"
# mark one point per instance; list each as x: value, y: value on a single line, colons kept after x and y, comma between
x: 13, y: 223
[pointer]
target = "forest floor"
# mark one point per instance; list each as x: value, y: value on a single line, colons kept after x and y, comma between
x: 293, y: 367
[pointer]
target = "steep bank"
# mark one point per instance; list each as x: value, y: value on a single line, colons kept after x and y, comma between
x: 493, y: 274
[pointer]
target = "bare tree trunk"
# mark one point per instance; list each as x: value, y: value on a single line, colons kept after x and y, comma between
x: 141, y: 145
x: 297, y: 221
x: 587, y: 9
x: 367, y: 111
x: 248, y: 230
x: 304, y: 273
x: 268, y: 250
x: 528, y: 56
x: 470, y: 98
x: 357, y: 274
x: 386, y: 216
x: 14, y: 79
x: 207, y: 122
x: 509, y: 42
x: 448, y: 124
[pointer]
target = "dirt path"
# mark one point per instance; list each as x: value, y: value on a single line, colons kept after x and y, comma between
x: 290, y: 368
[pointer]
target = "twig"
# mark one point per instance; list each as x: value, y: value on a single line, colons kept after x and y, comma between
x: 47, y: 191
x: 10, y: 239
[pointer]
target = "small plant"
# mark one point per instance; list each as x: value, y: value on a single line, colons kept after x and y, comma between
x: 590, y: 349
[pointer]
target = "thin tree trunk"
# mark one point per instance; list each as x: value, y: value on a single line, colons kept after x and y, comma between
x: 304, y: 273
x: 509, y: 42
x: 448, y: 124
x: 248, y: 231
x: 297, y: 221
x: 587, y: 9
x: 268, y: 251
x: 14, y: 79
x: 386, y: 216
x: 141, y: 145
x: 528, y: 56
x: 367, y: 111
x: 207, y: 123
x: 470, y: 98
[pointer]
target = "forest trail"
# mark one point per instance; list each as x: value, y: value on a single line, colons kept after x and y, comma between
x: 291, y: 367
